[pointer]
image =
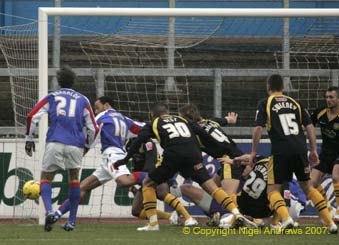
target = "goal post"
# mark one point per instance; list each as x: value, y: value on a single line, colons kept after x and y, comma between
x: 220, y: 64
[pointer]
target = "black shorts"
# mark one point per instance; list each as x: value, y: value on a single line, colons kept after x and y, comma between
x: 187, y: 167
x: 255, y: 210
x: 327, y: 162
x: 282, y: 167
x: 227, y: 171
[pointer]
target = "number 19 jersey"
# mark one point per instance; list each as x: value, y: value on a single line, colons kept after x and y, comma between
x: 283, y: 118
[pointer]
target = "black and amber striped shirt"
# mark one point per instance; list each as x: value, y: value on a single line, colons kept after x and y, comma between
x: 329, y: 129
x: 222, y: 144
x: 283, y: 118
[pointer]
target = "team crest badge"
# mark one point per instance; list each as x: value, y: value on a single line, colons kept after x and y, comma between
x: 336, y: 126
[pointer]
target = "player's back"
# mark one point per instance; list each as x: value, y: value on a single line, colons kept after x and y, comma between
x: 175, y: 136
x: 67, y: 109
x: 115, y: 128
x: 222, y: 144
x: 284, y: 124
x: 253, y: 198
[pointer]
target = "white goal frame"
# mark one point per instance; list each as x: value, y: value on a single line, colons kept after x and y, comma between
x: 44, y: 13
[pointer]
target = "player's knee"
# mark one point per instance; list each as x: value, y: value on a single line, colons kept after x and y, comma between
x: 148, y: 182
x: 161, y: 194
x: 82, y: 194
x: 185, y: 188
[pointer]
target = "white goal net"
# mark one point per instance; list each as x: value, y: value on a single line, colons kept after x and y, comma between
x: 140, y: 60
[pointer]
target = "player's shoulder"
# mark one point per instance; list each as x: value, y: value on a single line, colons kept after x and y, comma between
x: 263, y: 160
x: 100, y: 115
x: 285, y: 98
x: 319, y: 112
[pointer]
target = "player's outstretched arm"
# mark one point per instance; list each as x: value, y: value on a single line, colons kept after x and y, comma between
x: 230, y: 118
x: 145, y: 134
x: 225, y: 160
x: 257, y: 133
x: 41, y: 108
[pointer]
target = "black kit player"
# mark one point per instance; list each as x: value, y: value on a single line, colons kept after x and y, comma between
x: 181, y: 154
x: 284, y: 119
x: 327, y: 118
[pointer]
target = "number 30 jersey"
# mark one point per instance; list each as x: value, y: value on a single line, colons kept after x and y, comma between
x: 68, y: 112
x: 283, y: 117
x: 175, y: 134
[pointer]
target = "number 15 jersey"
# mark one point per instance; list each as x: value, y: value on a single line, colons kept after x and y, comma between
x: 283, y: 118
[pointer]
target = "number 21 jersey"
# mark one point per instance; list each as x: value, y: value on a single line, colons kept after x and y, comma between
x: 68, y: 112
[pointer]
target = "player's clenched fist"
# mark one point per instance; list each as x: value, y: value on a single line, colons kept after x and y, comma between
x: 29, y: 147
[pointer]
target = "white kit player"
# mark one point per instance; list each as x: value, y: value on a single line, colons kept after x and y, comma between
x: 68, y: 112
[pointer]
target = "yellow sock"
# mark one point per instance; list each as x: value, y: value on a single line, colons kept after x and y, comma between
x: 320, y: 204
x: 336, y: 193
x: 163, y: 215
x: 278, y: 204
x: 322, y: 192
x: 175, y: 203
x: 142, y: 214
x: 224, y: 199
x: 150, y: 204
x: 234, y: 199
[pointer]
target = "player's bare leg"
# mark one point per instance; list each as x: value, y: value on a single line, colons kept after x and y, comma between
x: 230, y: 186
x: 46, y: 179
x: 320, y: 204
x: 316, y: 177
x: 126, y: 180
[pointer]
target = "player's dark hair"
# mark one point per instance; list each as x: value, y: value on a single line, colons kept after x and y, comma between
x: 106, y: 99
x: 158, y: 109
x: 275, y: 83
x: 66, y: 77
x: 191, y: 112
x: 334, y: 88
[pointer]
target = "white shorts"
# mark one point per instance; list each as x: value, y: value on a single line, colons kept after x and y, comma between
x: 106, y: 172
x: 60, y: 156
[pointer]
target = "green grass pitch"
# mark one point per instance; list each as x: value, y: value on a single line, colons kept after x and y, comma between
x: 125, y: 233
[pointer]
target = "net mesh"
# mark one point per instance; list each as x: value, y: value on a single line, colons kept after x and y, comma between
x: 126, y: 57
